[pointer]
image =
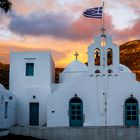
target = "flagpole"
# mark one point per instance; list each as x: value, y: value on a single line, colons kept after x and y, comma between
x: 103, y: 15
x: 103, y: 23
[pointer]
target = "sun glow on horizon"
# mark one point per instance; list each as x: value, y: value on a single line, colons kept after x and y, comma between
x: 57, y: 26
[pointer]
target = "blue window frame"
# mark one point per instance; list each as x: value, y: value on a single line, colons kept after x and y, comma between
x: 75, y: 112
x: 131, y: 112
x: 29, y: 69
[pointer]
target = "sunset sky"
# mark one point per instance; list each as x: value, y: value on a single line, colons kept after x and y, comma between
x: 58, y: 26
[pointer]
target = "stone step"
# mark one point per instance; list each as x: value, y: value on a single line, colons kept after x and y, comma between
x: 79, y: 133
x: 4, y: 133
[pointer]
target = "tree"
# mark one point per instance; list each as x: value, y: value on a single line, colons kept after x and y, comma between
x: 5, y: 6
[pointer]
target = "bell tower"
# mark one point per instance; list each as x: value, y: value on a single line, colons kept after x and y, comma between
x: 103, y: 55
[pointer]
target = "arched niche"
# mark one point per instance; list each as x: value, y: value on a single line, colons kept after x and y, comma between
x: 97, y: 71
x: 103, y: 41
x: 110, y: 71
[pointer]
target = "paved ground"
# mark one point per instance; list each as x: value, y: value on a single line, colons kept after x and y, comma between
x: 17, y: 137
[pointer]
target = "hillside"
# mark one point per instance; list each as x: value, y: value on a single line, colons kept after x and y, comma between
x: 4, y: 75
x: 129, y: 56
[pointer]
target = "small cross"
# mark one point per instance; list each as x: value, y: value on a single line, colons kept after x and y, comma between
x: 103, y: 30
x: 76, y: 55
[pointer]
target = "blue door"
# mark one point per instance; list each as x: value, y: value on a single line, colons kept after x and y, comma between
x: 75, y: 112
x: 131, y: 113
x: 34, y: 114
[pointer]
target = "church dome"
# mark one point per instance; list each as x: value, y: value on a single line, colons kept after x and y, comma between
x: 124, y: 68
x: 76, y: 66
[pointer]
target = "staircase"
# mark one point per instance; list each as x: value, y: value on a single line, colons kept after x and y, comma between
x: 4, y: 132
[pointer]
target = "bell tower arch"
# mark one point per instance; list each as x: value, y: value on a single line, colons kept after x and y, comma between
x: 106, y: 52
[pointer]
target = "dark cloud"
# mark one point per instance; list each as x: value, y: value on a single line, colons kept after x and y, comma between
x: 62, y: 26
x: 41, y: 24
x: 58, y: 25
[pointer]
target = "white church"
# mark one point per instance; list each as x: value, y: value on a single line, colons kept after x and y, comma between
x: 104, y: 93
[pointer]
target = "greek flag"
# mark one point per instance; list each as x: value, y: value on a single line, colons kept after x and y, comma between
x: 93, y: 12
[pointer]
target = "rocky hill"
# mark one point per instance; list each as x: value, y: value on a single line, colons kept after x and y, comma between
x: 129, y: 56
x: 4, y: 75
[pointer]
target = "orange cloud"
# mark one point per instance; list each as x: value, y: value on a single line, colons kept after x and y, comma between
x: 129, y: 33
x: 62, y: 51
x: 25, y: 7
x: 63, y: 31
x: 86, y: 28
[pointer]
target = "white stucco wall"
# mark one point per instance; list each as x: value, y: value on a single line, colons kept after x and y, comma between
x: 42, y: 69
x: 34, y: 94
x: 118, y: 87
x: 25, y: 88
x: 7, y: 118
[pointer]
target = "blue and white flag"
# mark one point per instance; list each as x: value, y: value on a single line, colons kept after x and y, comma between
x: 93, y: 12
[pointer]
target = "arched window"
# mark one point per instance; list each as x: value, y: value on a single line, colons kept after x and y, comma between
x: 103, y: 41
x: 131, y: 112
x: 97, y: 71
x: 75, y: 112
x: 109, y: 56
x: 75, y: 100
x: 97, y: 56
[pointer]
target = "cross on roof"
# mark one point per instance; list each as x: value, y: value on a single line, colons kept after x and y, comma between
x: 103, y: 30
x: 76, y: 55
